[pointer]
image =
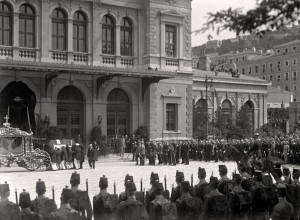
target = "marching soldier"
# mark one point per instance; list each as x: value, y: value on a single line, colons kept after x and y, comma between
x: 161, y: 203
x: 215, y: 203
x: 188, y: 207
x: 102, y: 203
x: 65, y: 212
x: 122, y: 195
x: 131, y: 209
x: 176, y: 193
x: 202, y: 188
x: 25, y: 203
x: 8, y: 210
x: 81, y: 201
x: 42, y: 205
x: 150, y: 194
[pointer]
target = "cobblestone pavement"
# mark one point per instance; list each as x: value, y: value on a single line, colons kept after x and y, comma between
x: 113, y: 167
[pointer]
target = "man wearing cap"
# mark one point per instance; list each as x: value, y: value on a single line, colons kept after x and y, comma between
x: 150, y: 194
x: 65, y: 212
x: 176, y: 193
x: 161, y: 203
x: 122, y: 195
x: 225, y: 186
x: 215, y: 203
x: 102, y: 204
x: 42, y: 205
x: 81, y: 201
x: 260, y: 203
x: 25, y: 203
x: 202, y: 188
x: 188, y: 207
x: 296, y: 184
x: 283, y: 210
x: 131, y: 209
x: 8, y: 210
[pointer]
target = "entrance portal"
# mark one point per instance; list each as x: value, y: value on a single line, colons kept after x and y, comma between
x: 117, y: 113
x: 70, y: 112
x: 18, y: 102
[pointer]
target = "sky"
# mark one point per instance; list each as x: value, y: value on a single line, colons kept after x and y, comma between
x: 200, y: 8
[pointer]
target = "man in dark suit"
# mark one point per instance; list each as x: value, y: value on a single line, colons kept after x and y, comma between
x: 92, y: 156
x: 283, y: 209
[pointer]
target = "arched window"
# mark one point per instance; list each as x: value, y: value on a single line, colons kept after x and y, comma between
x: 126, y: 37
x: 108, y: 35
x: 227, y: 112
x: 5, y: 24
x: 59, y: 30
x: 27, y: 26
x: 79, y: 32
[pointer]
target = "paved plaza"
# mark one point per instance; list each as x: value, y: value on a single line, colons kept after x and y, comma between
x: 113, y: 167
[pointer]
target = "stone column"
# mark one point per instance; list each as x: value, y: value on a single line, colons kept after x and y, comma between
x: 117, y: 45
x: 15, y: 33
x: 70, y: 40
x: 46, y: 31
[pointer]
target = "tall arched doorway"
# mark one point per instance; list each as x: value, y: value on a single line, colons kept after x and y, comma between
x: 70, y: 112
x: 227, y: 112
x: 118, y: 107
x: 250, y: 107
x: 18, y: 101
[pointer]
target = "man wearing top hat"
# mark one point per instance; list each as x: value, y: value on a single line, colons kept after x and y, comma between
x: 188, y: 207
x: 25, y: 203
x: 102, y: 204
x: 131, y: 209
x: 81, y: 201
x: 65, y: 212
x: 42, y: 205
x: 8, y: 210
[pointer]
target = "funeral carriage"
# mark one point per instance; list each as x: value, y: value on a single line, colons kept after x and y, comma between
x: 16, y: 147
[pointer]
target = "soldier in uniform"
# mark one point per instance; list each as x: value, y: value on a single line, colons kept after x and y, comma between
x: 65, y: 212
x: 150, y: 194
x: 165, y: 150
x: 102, y: 203
x: 25, y: 203
x: 296, y: 184
x: 225, y: 186
x: 202, y: 188
x: 42, y: 205
x: 260, y: 204
x: 122, y: 195
x: 283, y: 209
x: 131, y: 209
x: 161, y: 207
x: 176, y: 193
x: 215, y: 203
x: 8, y: 210
x: 286, y: 175
x: 188, y: 207
x: 81, y: 201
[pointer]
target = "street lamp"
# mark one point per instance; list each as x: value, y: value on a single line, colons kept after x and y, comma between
x: 208, y: 83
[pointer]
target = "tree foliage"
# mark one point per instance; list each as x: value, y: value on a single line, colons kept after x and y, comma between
x: 267, y: 15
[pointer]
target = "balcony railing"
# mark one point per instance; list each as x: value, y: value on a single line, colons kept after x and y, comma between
x: 127, y: 61
x: 27, y: 53
x: 59, y: 55
x: 80, y: 57
x: 172, y: 62
x: 109, y: 60
x: 6, y: 51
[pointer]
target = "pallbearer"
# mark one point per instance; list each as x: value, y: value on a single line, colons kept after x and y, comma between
x: 8, y: 210
x: 42, y: 205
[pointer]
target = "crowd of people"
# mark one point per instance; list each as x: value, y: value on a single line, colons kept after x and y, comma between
x: 263, y: 196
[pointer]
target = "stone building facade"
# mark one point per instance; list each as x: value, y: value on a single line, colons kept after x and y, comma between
x: 127, y: 61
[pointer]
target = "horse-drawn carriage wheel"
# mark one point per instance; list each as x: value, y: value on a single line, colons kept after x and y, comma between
x: 38, y: 160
